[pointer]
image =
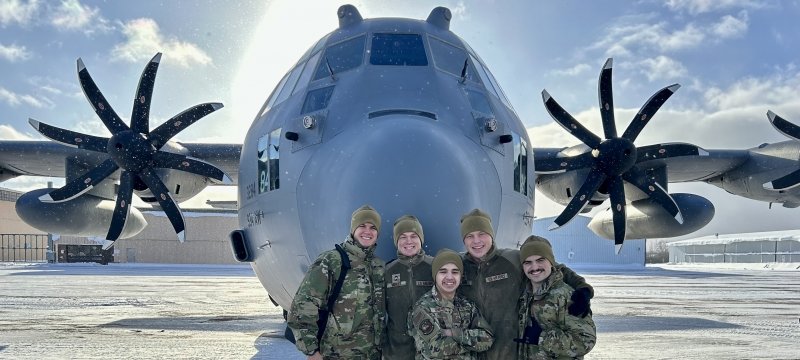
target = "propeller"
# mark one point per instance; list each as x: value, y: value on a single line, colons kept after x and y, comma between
x: 792, y: 131
x: 613, y: 159
x: 134, y: 149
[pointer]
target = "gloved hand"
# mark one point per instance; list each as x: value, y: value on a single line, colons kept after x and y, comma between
x: 532, y: 333
x: 580, y: 303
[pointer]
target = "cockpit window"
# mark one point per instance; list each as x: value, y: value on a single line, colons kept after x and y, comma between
x: 451, y: 59
x: 479, y: 102
x: 520, y: 164
x: 268, y: 162
x: 398, y: 49
x: 341, y: 57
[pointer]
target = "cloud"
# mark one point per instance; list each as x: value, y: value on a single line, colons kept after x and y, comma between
x: 573, y: 71
x: 16, y: 11
x: 71, y: 15
x: 662, y: 68
x: 729, y: 26
x: 623, y: 40
x: 14, y: 99
x: 696, y: 7
x: 7, y: 132
x: 145, y: 39
x: 14, y: 53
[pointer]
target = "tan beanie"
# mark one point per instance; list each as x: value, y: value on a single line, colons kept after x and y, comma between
x: 443, y: 257
x: 476, y: 220
x: 405, y: 224
x: 365, y: 214
x: 536, y: 245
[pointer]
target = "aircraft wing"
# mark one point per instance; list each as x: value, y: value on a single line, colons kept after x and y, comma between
x: 48, y: 158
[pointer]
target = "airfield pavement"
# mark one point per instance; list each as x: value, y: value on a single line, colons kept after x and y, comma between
x: 152, y: 311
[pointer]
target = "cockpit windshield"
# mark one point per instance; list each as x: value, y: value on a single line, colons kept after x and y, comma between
x: 398, y: 49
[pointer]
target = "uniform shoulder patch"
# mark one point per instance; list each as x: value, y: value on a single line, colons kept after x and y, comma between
x: 426, y: 327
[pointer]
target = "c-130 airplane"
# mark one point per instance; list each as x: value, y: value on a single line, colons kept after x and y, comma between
x: 397, y: 113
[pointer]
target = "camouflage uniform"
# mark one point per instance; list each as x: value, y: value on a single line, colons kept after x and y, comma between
x: 431, y: 315
x: 355, y: 324
x: 407, y: 279
x: 494, y: 285
x: 563, y: 336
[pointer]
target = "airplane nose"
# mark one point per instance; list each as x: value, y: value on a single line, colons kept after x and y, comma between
x: 400, y: 165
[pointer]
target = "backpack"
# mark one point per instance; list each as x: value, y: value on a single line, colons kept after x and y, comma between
x: 323, y: 314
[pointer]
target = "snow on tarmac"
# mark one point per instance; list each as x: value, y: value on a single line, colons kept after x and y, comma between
x: 154, y: 311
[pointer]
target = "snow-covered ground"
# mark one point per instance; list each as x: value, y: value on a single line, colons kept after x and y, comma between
x: 149, y: 311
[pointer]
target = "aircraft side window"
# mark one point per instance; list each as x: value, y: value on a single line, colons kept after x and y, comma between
x: 520, y: 164
x: 268, y: 161
x: 397, y: 49
x: 317, y: 99
x: 479, y: 102
x: 483, y: 74
x: 450, y: 59
x: 341, y: 57
x: 290, y: 82
x: 306, y: 75
x: 273, y: 96
x: 500, y: 93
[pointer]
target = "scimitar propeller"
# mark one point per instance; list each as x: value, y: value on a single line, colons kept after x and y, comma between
x: 135, y: 149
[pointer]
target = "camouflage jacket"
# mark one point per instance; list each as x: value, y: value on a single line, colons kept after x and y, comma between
x: 407, y: 279
x: 355, y: 324
x: 563, y: 336
x: 431, y: 316
x: 494, y: 285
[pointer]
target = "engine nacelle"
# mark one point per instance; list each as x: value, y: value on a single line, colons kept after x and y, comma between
x: 85, y: 215
x: 182, y: 185
x: 646, y: 219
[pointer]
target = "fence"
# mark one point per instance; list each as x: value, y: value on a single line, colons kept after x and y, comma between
x: 23, y: 247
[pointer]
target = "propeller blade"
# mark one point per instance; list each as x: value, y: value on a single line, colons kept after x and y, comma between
x: 563, y: 118
x: 648, y: 110
x: 99, y: 103
x: 163, y: 159
x: 654, y: 191
x: 81, y: 184
x: 164, y: 199
x: 606, y: 97
x: 140, y: 119
x: 663, y: 151
x: 784, y: 183
x: 581, y: 198
x: 70, y: 138
x: 616, y: 191
x: 784, y: 126
x: 123, y: 206
x: 561, y: 164
x: 177, y: 123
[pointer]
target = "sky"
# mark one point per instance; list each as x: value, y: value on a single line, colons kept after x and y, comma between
x: 734, y: 60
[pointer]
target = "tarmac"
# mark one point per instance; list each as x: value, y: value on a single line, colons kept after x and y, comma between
x: 154, y: 311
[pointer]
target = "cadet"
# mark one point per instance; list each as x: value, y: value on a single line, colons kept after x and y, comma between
x: 354, y: 328
x: 446, y: 325
x: 546, y: 329
x: 493, y: 280
x: 407, y: 279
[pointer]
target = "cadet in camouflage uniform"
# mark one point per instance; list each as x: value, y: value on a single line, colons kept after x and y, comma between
x: 446, y: 325
x: 493, y: 280
x: 546, y: 329
x: 407, y: 279
x: 355, y: 324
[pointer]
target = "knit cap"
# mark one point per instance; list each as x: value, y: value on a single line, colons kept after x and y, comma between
x: 536, y: 245
x: 405, y: 224
x: 476, y: 220
x: 443, y: 257
x: 365, y: 214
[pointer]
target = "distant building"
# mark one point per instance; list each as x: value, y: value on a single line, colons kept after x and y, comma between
x: 760, y: 247
x: 575, y: 245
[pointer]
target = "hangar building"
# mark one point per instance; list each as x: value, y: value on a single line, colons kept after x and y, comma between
x: 575, y: 245
x: 759, y: 247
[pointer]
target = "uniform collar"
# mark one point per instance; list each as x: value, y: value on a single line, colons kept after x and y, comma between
x: 354, y: 248
x: 411, y: 260
x: 489, y: 255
